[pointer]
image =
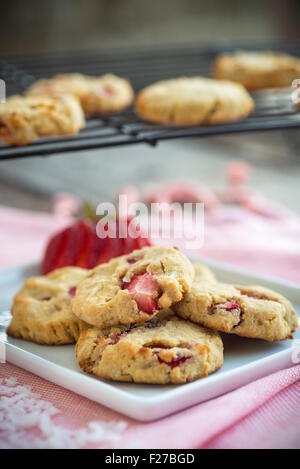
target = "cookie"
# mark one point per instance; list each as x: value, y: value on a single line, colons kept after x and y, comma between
x: 24, y: 119
x: 258, y: 70
x: 97, y: 95
x: 41, y: 310
x: 249, y: 311
x: 133, y: 288
x: 193, y: 101
x: 202, y: 272
x: 163, y: 350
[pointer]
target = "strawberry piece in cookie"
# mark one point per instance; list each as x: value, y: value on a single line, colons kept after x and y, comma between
x: 228, y: 306
x: 144, y: 289
x: 106, y: 90
x: 133, y: 288
x: 5, y: 133
x: 72, y: 292
x: 164, y: 350
x: 248, y: 311
x: 41, y: 310
x: 173, y: 363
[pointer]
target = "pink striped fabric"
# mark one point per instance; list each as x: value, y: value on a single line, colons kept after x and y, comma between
x: 35, y: 413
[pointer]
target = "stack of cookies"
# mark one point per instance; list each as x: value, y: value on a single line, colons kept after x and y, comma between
x: 147, y: 317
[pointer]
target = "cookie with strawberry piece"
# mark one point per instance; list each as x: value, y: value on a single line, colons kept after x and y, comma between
x: 41, y: 310
x: 163, y: 350
x: 97, y: 95
x: 24, y: 119
x: 133, y: 288
x: 247, y: 311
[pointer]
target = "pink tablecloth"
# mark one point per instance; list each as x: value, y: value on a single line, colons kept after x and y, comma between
x: 263, y: 414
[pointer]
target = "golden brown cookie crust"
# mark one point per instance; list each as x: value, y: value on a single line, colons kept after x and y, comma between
x: 41, y: 309
x: 193, y: 101
x: 98, y: 95
x: 202, y: 272
x: 250, y: 311
x: 163, y: 350
x: 24, y: 119
x: 103, y: 298
x: 258, y: 70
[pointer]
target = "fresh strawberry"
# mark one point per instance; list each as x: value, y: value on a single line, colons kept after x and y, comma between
x: 112, y: 247
x: 144, y: 289
x: 61, y: 250
x: 142, y: 242
x: 51, y: 253
x: 79, y: 245
x: 69, y: 247
x: 90, y: 245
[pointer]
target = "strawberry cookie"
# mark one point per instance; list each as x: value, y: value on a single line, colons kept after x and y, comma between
x: 259, y: 69
x: 193, y: 101
x: 97, y: 95
x: 41, y: 310
x: 24, y: 119
x: 163, y: 350
x: 202, y: 272
x: 249, y: 311
x: 133, y: 288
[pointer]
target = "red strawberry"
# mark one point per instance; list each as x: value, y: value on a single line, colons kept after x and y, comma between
x: 61, y: 251
x: 51, y: 253
x: 143, y: 288
x: 112, y: 247
x: 68, y: 251
x: 142, y: 242
x: 90, y: 243
x: 79, y: 245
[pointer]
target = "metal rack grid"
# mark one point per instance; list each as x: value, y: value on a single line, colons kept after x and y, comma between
x: 274, y: 109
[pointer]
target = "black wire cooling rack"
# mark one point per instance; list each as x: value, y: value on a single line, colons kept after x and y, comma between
x: 274, y: 108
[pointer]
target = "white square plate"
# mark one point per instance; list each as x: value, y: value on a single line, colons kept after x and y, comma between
x: 245, y: 359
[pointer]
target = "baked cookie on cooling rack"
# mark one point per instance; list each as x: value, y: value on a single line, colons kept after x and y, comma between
x: 133, y: 288
x: 163, y: 350
x: 258, y: 70
x: 193, y: 101
x: 41, y: 310
x: 249, y: 311
x: 24, y: 119
x: 202, y: 272
x: 98, y: 95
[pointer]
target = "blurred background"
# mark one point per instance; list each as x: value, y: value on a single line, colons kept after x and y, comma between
x: 71, y: 25
x: 39, y: 26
